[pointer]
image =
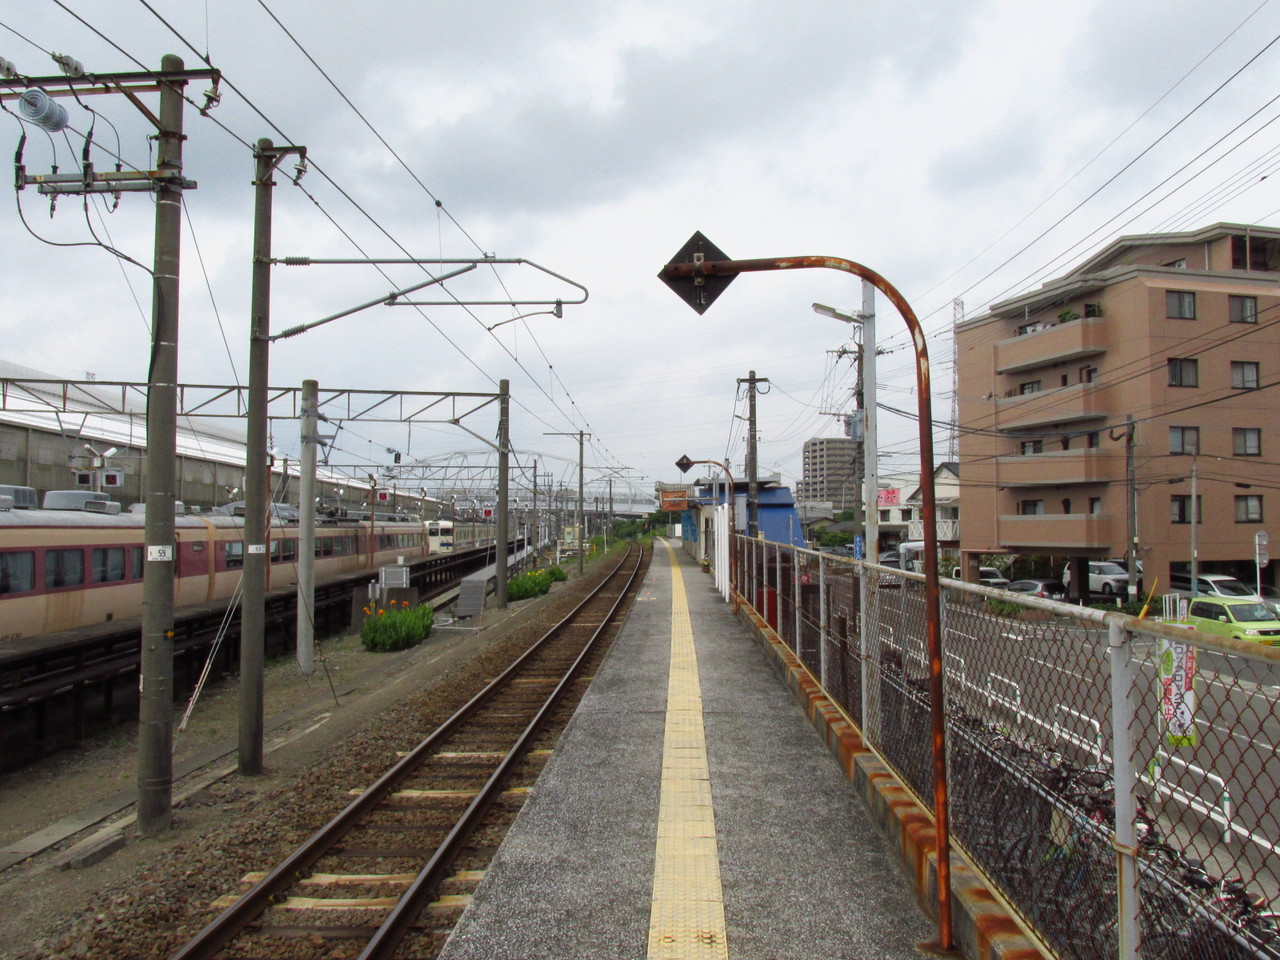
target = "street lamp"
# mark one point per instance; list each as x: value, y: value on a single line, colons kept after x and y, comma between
x: 684, y: 463
x: 698, y: 274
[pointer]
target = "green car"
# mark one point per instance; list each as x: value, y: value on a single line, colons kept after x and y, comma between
x: 1239, y: 618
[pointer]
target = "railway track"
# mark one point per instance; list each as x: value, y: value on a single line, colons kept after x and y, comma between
x: 390, y: 874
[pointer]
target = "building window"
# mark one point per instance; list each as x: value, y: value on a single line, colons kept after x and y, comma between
x: 1242, y: 309
x: 1095, y: 505
x: 1032, y: 446
x: 1184, y: 373
x: 906, y: 515
x: 1031, y: 386
x: 1246, y: 441
x: 1249, y: 509
x: 1180, y: 509
x: 1244, y: 374
x: 1093, y: 440
x: 63, y: 568
x: 1093, y: 309
x: 884, y: 516
x: 1088, y: 374
x: 1184, y: 439
x: 1030, y: 508
x: 1180, y: 304
x: 1176, y: 264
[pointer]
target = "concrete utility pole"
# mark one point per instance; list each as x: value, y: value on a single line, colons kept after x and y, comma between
x: 155, y: 698
x: 257, y: 471
x: 307, y: 529
x: 504, y: 455
x: 753, y: 469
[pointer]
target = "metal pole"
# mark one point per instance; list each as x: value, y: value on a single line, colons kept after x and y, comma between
x: 256, y: 475
x: 155, y: 695
x: 1195, y: 519
x: 1126, y: 785
x: 1131, y: 491
x: 504, y: 453
x: 307, y: 528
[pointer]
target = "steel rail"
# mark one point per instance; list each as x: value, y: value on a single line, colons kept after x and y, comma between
x: 383, y: 944
x: 232, y: 921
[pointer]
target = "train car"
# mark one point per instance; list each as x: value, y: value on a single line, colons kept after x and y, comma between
x: 61, y: 569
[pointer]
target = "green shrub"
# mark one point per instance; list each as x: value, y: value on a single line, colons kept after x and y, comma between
x: 557, y: 575
x: 532, y: 584
x: 1005, y: 608
x: 397, y: 628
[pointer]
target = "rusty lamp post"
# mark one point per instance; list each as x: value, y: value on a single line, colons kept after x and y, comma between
x: 699, y: 273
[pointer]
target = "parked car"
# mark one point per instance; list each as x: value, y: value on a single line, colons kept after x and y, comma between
x: 1040, y: 587
x: 1211, y: 585
x: 1105, y: 577
x: 987, y: 576
x: 1241, y: 618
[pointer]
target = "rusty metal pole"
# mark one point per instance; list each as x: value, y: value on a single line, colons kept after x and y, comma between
x: 699, y: 270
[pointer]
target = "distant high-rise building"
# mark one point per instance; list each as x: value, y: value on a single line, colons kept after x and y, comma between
x: 832, y: 471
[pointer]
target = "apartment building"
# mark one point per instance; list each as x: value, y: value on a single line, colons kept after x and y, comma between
x: 832, y: 472
x: 1129, y: 397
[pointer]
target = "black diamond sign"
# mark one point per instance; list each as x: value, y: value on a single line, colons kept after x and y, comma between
x: 697, y: 291
x: 684, y: 463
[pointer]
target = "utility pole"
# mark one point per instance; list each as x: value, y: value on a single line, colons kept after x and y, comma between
x: 257, y: 473
x: 753, y: 472
x: 155, y: 698
x: 307, y: 529
x: 504, y: 453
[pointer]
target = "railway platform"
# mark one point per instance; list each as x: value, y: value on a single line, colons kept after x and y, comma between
x: 692, y: 810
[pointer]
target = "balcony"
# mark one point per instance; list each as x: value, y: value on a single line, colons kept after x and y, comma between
x: 948, y: 530
x: 1059, y: 532
x: 1057, y: 343
x: 1059, y: 467
x: 1080, y: 401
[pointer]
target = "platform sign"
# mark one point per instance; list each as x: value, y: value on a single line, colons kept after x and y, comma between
x: 695, y: 289
x: 1178, y: 692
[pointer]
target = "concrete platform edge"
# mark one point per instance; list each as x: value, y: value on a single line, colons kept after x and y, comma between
x: 981, y: 926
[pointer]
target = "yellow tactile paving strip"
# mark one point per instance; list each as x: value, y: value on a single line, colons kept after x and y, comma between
x: 686, y: 921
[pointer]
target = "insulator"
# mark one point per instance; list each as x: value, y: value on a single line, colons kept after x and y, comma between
x: 42, y: 110
x: 70, y: 66
x: 7, y: 70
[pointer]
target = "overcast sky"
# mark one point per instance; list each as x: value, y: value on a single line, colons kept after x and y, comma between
x: 965, y: 151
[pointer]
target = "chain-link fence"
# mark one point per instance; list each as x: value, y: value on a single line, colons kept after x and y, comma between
x: 1087, y: 753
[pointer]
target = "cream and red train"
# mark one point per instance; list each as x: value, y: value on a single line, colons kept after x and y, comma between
x: 61, y: 569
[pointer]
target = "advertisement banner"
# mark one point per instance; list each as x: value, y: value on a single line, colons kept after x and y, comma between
x: 1178, y: 693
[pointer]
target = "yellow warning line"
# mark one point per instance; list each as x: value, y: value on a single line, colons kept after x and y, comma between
x: 686, y: 920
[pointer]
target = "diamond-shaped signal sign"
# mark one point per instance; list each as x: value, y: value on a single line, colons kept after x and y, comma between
x: 698, y: 291
x: 684, y: 463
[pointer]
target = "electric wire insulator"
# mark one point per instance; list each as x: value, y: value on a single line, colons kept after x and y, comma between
x: 39, y: 108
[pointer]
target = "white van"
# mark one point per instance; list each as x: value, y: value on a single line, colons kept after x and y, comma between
x: 1211, y: 585
x: 1105, y: 577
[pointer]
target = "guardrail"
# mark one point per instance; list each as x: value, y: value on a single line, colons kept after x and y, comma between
x: 1117, y: 779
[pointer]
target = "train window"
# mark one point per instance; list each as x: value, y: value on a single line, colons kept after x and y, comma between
x: 108, y: 564
x: 288, y: 550
x: 63, y: 568
x: 275, y: 551
x: 17, y: 572
x: 235, y: 554
x: 324, y: 547
x: 135, y: 562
